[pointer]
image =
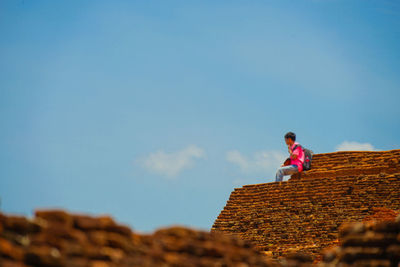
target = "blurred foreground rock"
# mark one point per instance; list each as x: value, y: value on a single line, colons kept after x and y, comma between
x: 56, y: 238
x: 366, y: 244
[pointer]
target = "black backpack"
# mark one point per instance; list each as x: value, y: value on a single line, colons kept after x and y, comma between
x: 308, y: 154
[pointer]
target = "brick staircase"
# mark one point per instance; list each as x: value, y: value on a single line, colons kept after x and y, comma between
x: 304, y: 213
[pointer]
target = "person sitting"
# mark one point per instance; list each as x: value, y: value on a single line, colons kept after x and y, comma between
x: 294, y: 164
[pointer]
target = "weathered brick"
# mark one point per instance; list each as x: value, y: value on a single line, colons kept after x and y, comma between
x: 310, y: 207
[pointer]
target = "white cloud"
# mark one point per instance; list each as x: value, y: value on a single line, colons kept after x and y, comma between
x: 355, y: 146
x: 235, y: 157
x: 260, y: 162
x: 171, y: 164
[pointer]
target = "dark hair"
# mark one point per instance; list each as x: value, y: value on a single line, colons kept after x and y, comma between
x: 291, y: 136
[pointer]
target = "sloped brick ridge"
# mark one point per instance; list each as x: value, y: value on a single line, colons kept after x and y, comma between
x: 56, y: 238
x: 304, y: 213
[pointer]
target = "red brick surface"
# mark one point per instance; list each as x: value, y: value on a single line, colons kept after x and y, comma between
x: 304, y: 213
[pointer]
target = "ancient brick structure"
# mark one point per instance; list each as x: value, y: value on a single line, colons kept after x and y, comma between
x: 297, y: 219
x: 304, y: 213
x: 56, y: 239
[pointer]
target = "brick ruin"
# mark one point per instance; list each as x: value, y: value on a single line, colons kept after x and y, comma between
x: 344, y: 212
x: 58, y: 239
x: 304, y: 213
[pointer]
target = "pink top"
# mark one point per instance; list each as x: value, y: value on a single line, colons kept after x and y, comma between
x: 300, y: 157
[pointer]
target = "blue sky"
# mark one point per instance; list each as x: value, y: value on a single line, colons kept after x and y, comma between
x: 154, y: 111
